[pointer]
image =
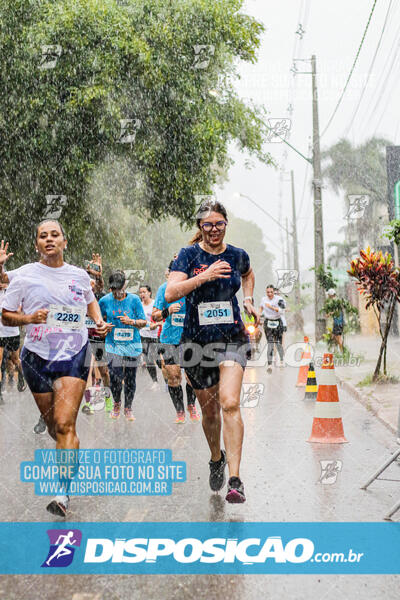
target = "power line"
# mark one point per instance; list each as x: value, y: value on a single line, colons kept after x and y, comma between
x: 395, y: 83
x: 369, y: 71
x: 383, y: 86
x: 351, y: 70
x: 380, y: 84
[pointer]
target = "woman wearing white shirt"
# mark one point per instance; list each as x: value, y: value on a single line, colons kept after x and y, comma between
x: 271, y: 309
x: 149, y: 335
x: 55, y: 298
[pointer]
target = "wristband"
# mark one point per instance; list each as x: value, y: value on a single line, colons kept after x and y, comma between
x: 165, y: 313
x: 249, y: 298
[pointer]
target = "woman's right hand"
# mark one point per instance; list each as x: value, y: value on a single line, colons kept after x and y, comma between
x: 220, y: 269
x: 3, y: 252
x: 40, y: 316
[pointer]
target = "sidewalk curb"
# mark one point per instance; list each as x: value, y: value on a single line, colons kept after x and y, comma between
x: 369, y: 402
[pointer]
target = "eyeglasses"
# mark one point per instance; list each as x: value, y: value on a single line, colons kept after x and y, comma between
x: 219, y: 226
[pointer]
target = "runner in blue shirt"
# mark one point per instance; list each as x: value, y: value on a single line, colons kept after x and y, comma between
x: 209, y: 273
x: 174, y: 315
x: 123, y: 346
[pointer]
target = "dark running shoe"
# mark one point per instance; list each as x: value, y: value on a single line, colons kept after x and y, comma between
x: 59, y: 506
x: 21, y: 385
x: 40, y: 426
x: 217, y: 472
x: 235, y: 493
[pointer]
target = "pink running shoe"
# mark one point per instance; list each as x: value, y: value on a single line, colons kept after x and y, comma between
x: 194, y: 415
x: 129, y: 414
x: 180, y: 418
x: 116, y: 411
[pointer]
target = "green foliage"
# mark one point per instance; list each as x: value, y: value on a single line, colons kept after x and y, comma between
x: 341, y: 252
x: 131, y: 60
x: 381, y: 379
x: 335, y: 306
x: 359, y: 170
x: 325, y: 277
x: 392, y: 232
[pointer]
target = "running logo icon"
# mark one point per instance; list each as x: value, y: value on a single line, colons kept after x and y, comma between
x: 251, y: 394
x: 278, y: 130
x: 63, y: 543
x: 329, y: 471
x: 357, y: 205
x: 286, y: 280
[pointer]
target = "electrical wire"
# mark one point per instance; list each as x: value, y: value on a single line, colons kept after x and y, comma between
x: 351, y: 70
x: 377, y: 92
x: 369, y: 71
x: 389, y: 98
x: 385, y: 83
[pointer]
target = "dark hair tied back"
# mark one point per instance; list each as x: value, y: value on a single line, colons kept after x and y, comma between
x: 203, y: 212
x: 49, y: 221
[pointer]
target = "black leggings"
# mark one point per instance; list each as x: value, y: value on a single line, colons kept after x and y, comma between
x: 274, y: 337
x: 150, y: 354
x: 176, y: 394
x: 123, y: 371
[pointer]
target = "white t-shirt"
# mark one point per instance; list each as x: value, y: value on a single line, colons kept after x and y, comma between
x: 4, y: 330
x: 267, y: 312
x: 145, y: 331
x: 35, y: 286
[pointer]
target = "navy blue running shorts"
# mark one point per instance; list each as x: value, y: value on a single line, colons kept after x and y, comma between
x: 40, y: 374
x: 202, y: 368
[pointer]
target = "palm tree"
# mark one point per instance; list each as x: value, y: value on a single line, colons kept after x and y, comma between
x: 360, y: 170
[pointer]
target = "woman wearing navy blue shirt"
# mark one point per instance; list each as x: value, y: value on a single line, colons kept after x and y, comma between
x: 209, y: 273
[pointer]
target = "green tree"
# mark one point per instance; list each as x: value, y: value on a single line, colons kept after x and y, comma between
x: 76, y: 73
x: 360, y: 170
x: 134, y: 241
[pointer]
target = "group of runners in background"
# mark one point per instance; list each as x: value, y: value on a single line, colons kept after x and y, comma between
x: 74, y: 329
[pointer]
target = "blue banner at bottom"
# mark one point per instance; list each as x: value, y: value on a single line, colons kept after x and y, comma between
x: 190, y: 548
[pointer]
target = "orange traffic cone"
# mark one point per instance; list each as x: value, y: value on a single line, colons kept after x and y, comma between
x: 303, y: 369
x: 327, y: 426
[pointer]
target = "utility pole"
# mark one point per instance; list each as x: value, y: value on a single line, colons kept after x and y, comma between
x: 318, y: 223
x: 299, y: 322
x: 287, y: 246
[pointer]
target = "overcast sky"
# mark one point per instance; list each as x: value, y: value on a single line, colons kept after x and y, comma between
x: 333, y: 32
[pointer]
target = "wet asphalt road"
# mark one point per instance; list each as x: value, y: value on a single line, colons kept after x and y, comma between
x: 280, y: 470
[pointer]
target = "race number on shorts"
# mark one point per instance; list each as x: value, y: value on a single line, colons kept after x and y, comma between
x: 122, y: 334
x: 215, y: 313
x: 67, y: 317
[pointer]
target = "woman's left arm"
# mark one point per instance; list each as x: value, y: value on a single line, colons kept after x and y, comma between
x: 248, y: 281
